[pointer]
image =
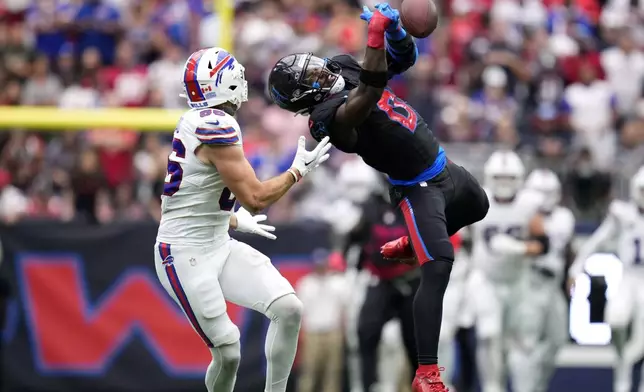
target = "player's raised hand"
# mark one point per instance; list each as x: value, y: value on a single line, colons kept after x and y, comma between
x: 366, y: 14
x: 390, y: 13
x: 247, y: 223
x: 305, y: 161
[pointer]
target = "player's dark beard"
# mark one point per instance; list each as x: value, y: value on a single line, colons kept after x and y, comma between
x: 227, y: 108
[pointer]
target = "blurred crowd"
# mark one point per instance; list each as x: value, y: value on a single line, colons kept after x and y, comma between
x: 559, y: 80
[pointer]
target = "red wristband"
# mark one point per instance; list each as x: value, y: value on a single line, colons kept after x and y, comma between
x: 376, y: 33
x: 376, y: 40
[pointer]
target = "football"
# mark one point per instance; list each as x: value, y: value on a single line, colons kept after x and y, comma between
x: 419, y: 17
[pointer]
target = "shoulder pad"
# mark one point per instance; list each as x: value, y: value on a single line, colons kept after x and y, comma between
x: 347, y: 60
x: 214, y: 127
x: 322, y: 117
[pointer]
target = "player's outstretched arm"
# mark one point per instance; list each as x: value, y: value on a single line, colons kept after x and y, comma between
x: 243, y: 222
x: 373, y: 76
x: 604, y: 233
x: 402, y: 51
x: 253, y: 194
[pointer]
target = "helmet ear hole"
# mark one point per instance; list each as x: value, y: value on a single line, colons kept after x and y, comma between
x: 233, y: 88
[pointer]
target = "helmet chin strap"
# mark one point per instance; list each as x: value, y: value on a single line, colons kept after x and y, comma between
x: 337, y: 86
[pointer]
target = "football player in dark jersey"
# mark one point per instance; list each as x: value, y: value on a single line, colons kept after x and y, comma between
x: 350, y: 103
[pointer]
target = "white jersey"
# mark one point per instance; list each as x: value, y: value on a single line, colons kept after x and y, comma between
x: 560, y: 228
x: 512, y: 218
x: 624, y: 227
x: 196, y: 205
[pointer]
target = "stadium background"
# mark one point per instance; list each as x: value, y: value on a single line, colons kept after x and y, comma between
x: 80, y: 176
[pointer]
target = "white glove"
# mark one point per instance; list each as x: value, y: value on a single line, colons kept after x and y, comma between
x: 247, y: 223
x: 305, y: 161
x: 507, y: 245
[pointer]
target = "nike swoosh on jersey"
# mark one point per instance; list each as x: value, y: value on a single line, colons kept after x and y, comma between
x: 216, y: 122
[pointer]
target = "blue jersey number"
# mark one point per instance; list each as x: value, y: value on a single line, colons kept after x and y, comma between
x: 173, y: 181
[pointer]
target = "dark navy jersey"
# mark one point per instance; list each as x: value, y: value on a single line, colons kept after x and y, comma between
x: 394, y: 139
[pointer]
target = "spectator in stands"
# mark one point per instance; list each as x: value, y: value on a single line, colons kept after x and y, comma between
x: 15, y: 54
x: 624, y: 67
x: 592, y: 105
x: 491, y: 104
x: 324, y: 295
x: 65, y: 65
x: 88, y: 182
x: 43, y: 87
x: 163, y: 74
x: 99, y: 24
x: 548, y: 115
x: 126, y: 81
x: 45, y: 20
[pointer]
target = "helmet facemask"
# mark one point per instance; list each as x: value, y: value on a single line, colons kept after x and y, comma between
x: 300, y: 81
x: 505, y: 186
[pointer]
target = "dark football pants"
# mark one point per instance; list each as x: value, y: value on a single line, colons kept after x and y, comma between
x: 433, y: 211
x: 383, y: 302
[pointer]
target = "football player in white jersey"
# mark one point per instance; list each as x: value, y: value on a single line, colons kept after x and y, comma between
x: 539, y: 322
x: 498, y: 261
x: 197, y: 262
x: 623, y: 228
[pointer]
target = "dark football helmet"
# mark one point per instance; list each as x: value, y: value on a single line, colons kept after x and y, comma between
x: 300, y: 81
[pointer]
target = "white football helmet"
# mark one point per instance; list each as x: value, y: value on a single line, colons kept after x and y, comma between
x: 547, y: 183
x: 504, y: 174
x: 212, y: 77
x: 637, y: 188
x: 357, y: 180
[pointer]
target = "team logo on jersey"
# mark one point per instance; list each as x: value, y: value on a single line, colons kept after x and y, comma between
x: 168, y: 260
x: 192, y: 261
x: 318, y: 131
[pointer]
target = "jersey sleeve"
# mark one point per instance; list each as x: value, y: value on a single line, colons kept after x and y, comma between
x: 560, y: 228
x: 218, y: 131
x: 401, y: 55
x: 347, y: 61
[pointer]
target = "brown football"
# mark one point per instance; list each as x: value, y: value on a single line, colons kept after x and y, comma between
x: 419, y: 17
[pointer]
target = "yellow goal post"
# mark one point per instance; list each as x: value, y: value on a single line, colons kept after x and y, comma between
x: 140, y: 119
x: 69, y: 120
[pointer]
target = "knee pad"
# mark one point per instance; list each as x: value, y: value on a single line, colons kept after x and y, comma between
x: 286, y: 309
x: 229, y: 355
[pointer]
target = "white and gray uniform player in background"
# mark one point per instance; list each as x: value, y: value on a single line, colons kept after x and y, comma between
x: 499, y: 262
x: 197, y: 262
x: 539, y: 325
x: 623, y: 231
